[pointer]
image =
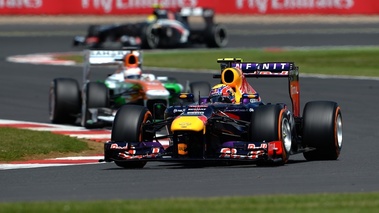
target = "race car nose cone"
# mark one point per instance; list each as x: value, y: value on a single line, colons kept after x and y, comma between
x: 153, y: 94
x: 187, y: 123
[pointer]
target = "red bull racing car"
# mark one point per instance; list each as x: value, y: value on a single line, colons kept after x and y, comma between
x: 246, y: 130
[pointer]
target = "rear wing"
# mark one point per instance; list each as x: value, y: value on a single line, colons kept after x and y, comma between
x: 206, y: 13
x: 268, y: 69
x: 254, y: 69
x: 196, y: 11
x: 106, y: 57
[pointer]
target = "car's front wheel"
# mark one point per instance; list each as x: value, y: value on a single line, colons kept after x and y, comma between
x: 272, y: 123
x: 127, y: 126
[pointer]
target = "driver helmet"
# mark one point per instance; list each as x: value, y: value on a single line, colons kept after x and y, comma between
x: 222, y: 93
x: 151, y: 18
x: 131, y: 68
x: 132, y: 73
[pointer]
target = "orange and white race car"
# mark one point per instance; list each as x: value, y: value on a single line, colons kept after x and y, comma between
x: 95, y: 105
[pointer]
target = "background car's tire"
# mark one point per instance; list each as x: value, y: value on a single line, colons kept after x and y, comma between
x: 272, y: 123
x: 127, y: 126
x: 97, y: 96
x: 150, y: 37
x: 201, y: 88
x: 93, y: 30
x: 217, y: 36
x: 64, y: 101
x: 322, y: 129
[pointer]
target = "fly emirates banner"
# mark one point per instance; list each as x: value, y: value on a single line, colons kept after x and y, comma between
x: 141, y: 7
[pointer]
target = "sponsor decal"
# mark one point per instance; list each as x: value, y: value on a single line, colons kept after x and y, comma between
x: 195, y: 113
x: 109, y: 5
x: 294, y: 90
x: 273, y: 66
x: 19, y: 4
x: 185, y: 124
x: 253, y: 146
x: 116, y: 146
x: 182, y: 149
x: 262, y: 6
x: 139, y: 7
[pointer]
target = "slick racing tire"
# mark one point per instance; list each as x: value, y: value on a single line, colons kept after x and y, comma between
x: 93, y: 30
x: 217, y: 36
x: 97, y: 96
x: 322, y: 130
x: 64, y: 101
x: 127, y: 126
x: 199, y: 89
x: 272, y: 123
x: 150, y: 37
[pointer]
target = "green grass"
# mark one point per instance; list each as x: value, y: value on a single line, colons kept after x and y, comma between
x: 354, y: 61
x: 20, y: 144
x: 331, y: 203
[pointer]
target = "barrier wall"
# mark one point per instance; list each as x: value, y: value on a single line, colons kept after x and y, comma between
x: 133, y: 7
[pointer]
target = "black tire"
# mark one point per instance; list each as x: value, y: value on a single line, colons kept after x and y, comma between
x: 199, y: 88
x: 217, y: 36
x: 272, y: 123
x: 97, y: 96
x: 127, y: 126
x: 64, y: 101
x: 322, y: 129
x: 150, y: 37
x: 93, y: 30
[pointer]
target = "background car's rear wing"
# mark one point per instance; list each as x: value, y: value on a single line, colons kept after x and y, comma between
x: 196, y: 11
x: 206, y: 13
x: 106, y: 57
x: 268, y: 69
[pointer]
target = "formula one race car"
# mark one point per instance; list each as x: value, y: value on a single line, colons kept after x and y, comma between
x: 246, y: 130
x: 96, y: 105
x: 162, y: 29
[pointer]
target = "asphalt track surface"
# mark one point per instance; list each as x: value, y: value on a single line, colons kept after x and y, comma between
x: 24, y: 95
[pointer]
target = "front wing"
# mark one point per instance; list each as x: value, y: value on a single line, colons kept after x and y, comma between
x: 229, y: 151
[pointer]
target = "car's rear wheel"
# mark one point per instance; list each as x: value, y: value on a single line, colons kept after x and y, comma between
x: 200, y: 89
x: 272, y: 123
x: 64, y: 101
x: 127, y: 126
x: 97, y: 96
x: 150, y: 37
x: 217, y: 36
x: 322, y: 130
x: 93, y: 30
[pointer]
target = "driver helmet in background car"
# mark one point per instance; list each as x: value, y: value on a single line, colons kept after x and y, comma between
x: 222, y: 93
